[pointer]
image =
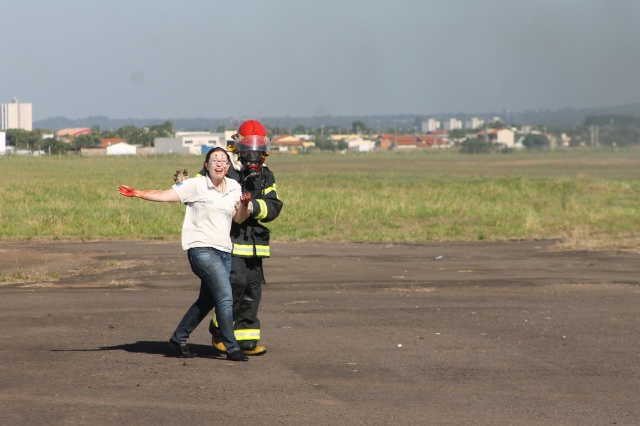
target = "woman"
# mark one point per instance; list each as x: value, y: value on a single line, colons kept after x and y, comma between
x: 212, y: 202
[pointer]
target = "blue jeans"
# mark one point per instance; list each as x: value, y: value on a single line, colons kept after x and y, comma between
x: 212, y: 266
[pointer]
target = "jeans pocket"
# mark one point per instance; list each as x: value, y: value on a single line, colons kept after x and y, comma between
x: 199, y: 258
x: 208, y: 262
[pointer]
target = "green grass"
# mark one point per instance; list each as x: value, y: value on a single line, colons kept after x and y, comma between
x: 389, y: 197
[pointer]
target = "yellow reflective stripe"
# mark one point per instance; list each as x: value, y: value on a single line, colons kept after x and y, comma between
x: 269, y: 189
x: 262, y: 251
x: 247, y: 250
x: 263, y: 209
x: 242, y: 250
x: 247, y: 334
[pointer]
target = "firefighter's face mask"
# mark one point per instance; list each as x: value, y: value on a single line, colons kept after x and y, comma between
x: 252, y: 161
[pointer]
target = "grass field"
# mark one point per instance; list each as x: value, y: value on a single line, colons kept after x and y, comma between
x: 586, y: 199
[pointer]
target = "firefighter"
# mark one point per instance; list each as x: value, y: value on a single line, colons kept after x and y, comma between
x: 250, y: 239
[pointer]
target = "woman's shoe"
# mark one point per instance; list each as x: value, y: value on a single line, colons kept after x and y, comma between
x: 181, y: 349
x: 237, y: 355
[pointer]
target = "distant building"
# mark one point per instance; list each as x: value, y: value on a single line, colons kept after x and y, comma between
x: 121, y: 148
x: 355, y: 142
x: 505, y: 137
x: 431, y: 125
x: 72, y: 133
x: 474, y: 123
x: 304, y: 137
x: 435, y: 141
x: 411, y: 142
x: 107, y: 142
x: 344, y: 137
x: 361, y: 145
x: 526, y: 129
x: 193, y: 143
x: 103, y: 147
x: 17, y: 115
x: 452, y: 124
x: 289, y: 143
x: 3, y: 143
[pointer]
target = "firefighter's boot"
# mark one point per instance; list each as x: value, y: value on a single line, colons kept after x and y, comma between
x: 252, y: 348
x: 216, y: 339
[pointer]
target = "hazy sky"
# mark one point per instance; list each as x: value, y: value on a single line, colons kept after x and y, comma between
x: 300, y: 58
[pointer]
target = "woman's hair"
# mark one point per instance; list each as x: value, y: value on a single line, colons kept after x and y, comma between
x: 211, y: 151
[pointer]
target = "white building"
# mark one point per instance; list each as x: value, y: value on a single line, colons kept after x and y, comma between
x: 504, y: 137
x: 474, y: 123
x: 304, y: 137
x: 452, y: 124
x: 431, y: 125
x: 17, y: 115
x: 193, y: 143
x: 121, y: 148
x: 359, y: 144
x: 3, y: 143
x: 526, y: 129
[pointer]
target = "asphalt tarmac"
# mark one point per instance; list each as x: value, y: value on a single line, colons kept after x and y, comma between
x: 500, y: 333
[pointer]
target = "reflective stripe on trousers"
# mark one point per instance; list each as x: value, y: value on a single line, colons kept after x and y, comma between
x: 241, y: 335
x: 247, y: 250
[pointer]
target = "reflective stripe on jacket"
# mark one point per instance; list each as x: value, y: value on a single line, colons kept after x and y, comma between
x: 251, y: 237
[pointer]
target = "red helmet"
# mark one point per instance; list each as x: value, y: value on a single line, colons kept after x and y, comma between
x: 252, y: 145
x: 252, y: 136
x: 251, y: 127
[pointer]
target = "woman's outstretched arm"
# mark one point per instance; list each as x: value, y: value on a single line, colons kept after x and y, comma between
x: 168, y: 196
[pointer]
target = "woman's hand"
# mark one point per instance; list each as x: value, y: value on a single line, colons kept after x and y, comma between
x: 242, y: 211
x: 244, y: 198
x: 168, y: 196
x: 127, y: 191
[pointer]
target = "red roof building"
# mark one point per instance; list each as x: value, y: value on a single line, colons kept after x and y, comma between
x: 110, y: 141
x: 72, y: 133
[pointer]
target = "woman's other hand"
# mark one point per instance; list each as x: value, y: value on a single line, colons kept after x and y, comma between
x: 127, y: 191
x: 244, y: 198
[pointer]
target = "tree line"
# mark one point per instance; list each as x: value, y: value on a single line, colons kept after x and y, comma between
x: 35, y: 141
x: 602, y: 131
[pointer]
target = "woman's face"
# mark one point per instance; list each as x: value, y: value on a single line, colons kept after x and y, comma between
x: 218, y: 165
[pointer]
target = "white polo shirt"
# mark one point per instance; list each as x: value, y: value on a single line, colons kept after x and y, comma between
x: 207, y: 221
